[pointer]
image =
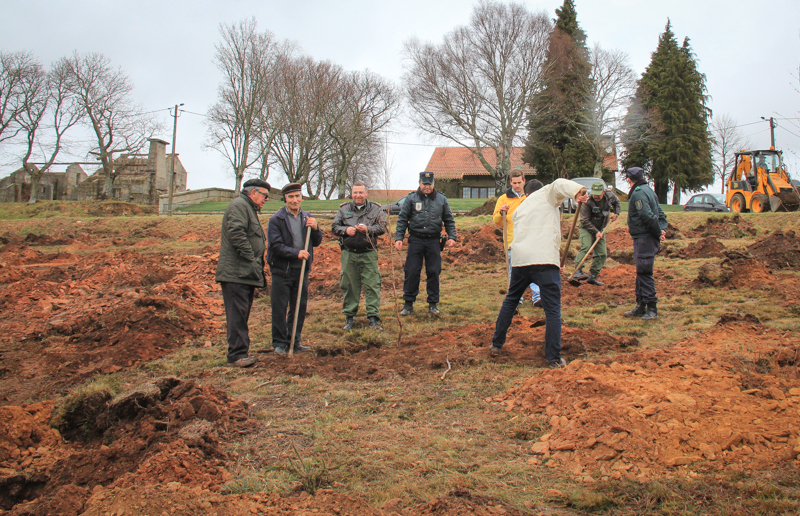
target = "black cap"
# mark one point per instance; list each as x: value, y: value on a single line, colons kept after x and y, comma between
x: 634, y: 173
x: 426, y: 178
x: 259, y: 183
x: 291, y: 187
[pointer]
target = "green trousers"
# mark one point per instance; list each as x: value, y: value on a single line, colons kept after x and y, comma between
x: 358, y: 269
x: 599, y: 253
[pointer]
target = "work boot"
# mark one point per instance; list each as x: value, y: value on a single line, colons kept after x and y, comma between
x: 651, y: 312
x: 594, y: 281
x: 495, y: 351
x: 408, y: 309
x: 579, y: 275
x: 374, y: 323
x: 639, y: 311
x: 247, y: 361
x: 349, y: 320
x: 432, y: 309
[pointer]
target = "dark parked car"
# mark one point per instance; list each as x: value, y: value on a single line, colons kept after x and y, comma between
x: 569, y: 205
x: 706, y: 202
x: 395, y: 207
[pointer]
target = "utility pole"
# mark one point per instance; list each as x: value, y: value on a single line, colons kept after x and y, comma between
x: 172, y: 163
x: 771, y: 131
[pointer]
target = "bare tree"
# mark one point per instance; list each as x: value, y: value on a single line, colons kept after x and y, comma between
x: 726, y: 140
x: 15, y: 70
x: 48, y: 112
x: 475, y: 87
x: 612, y: 87
x: 238, y: 120
x: 119, y: 126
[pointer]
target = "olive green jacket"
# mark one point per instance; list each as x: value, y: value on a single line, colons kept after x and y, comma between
x: 242, y: 245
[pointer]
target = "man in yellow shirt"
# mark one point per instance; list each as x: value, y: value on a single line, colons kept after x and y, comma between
x: 506, y: 204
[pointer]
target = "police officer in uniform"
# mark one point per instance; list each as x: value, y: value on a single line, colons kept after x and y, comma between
x: 647, y: 225
x: 601, y: 209
x: 358, y: 224
x: 423, y: 214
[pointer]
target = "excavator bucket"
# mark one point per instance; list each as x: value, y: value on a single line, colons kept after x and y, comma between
x: 785, y: 200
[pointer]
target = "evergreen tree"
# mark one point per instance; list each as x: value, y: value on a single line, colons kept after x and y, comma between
x: 666, y: 127
x: 556, y: 146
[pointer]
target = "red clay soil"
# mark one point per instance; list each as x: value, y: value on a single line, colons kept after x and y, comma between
x: 778, y: 251
x: 708, y: 247
x: 67, y: 317
x: 707, y: 404
x: 160, y: 433
x: 724, y: 227
x: 482, y: 246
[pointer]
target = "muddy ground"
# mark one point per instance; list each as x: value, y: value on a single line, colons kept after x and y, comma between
x: 84, y: 301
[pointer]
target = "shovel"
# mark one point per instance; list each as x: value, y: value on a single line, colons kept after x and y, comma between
x: 571, y: 280
x: 505, y: 249
x: 571, y: 231
x: 299, y: 294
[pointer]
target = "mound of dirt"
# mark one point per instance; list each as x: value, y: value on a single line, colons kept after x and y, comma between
x: 675, y: 411
x: 724, y: 226
x: 737, y: 270
x: 486, y: 208
x: 118, y: 209
x: 708, y: 247
x: 482, y: 246
x: 778, y: 251
x: 160, y: 433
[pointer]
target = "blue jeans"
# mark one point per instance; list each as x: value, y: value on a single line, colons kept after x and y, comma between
x: 535, y: 294
x: 548, y: 277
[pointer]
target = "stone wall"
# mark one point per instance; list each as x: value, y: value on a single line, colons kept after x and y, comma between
x: 190, y: 197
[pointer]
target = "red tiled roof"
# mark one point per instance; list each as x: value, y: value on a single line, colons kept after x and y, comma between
x: 457, y: 162
x: 610, y: 162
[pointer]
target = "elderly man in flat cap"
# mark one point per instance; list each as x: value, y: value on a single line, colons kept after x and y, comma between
x: 240, y: 268
x: 286, y: 235
x: 423, y: 214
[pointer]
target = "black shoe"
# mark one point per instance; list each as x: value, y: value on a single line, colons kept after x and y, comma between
x: 639, y: 311
x: 594, y: 281
x: 280, y: 350
x: 374, y: 323
x: 244, y: 362
x: 408, y: 309
x: 579, y: 275
x: 558, y: 364
x: 348, y: 322
x: 651, y: 312
x: 432, y: 309
x: 495, y: 351
x: 299, y: 348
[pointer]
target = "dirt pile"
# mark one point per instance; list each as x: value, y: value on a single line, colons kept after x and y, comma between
x: 486, y: 208
x: 482, y: 246
x: 165, y: 432
x: 778, y: 251
x: 708, y: 247
x: 67, y: 317
x: 697, y: 407
x: 724, y: 226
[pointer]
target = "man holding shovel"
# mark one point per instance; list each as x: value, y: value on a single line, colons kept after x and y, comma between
x: 289, y: 233
x: 503, y: 211
x: 601, y: 209
x: 536, y: 258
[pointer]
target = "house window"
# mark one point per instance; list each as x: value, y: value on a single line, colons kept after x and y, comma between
x: 465, y: 194
x: 491, y: 192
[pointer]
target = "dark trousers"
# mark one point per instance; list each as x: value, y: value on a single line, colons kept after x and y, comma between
x: 644, y: 253
x: 419, y: 250
x: 238, y: 300
x: 548, y: 277
x: 284, y: 297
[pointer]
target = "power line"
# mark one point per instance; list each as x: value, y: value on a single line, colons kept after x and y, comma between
x: 193, y: 113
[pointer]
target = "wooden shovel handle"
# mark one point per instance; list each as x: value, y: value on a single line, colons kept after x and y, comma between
x: 571, y: 231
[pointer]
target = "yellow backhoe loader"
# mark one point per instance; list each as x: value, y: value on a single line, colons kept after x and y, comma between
x: 759, y: 182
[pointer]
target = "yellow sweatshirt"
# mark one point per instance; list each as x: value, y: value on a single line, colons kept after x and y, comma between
x: 513, y: 203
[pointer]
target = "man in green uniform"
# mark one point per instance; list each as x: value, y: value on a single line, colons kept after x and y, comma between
x: 358, y: 224
x: 601, y: 209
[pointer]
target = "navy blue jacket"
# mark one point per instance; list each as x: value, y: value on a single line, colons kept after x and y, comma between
x: 425, y: 215
x: 280, y: 253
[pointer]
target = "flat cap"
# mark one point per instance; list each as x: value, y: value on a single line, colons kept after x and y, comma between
x: 259, y: 183
x: 291, y: 187
x: 597, y: 188
x: 426, y: 178
x: 635, y: 173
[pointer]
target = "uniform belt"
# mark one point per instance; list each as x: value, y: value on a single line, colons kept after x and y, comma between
x: 421, y: 235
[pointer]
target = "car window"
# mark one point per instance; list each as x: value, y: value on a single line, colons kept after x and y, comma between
x: 695, y: 200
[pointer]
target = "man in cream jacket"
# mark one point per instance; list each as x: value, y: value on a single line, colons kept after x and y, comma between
x: 536, y: 258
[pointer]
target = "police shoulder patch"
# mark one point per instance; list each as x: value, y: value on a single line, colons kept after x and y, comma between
x: 639, y: 204
x: 343, y: 203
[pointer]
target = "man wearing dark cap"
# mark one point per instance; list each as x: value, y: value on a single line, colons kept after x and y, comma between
x: 597, y: 213
x: 240, y: 268
x: 647, y: 225
x: 286, y: 235
x: 423, y: 214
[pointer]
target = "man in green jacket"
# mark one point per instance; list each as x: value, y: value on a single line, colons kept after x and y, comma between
x: 597, y: 213
x: 240, y: 268
x: 358, y: 224
x: 647, y: 225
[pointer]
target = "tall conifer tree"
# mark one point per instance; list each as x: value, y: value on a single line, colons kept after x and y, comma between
x: 556, y: 147
x: 666, y: 128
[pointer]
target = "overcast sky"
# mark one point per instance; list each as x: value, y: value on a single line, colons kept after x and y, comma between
x: 748, y: 50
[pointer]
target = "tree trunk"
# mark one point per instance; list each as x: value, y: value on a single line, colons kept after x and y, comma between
x: 676, y: 195
x: 598, y: 168
x: 34, y: 189
x: 108, y: 184
x: 661, y: 188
